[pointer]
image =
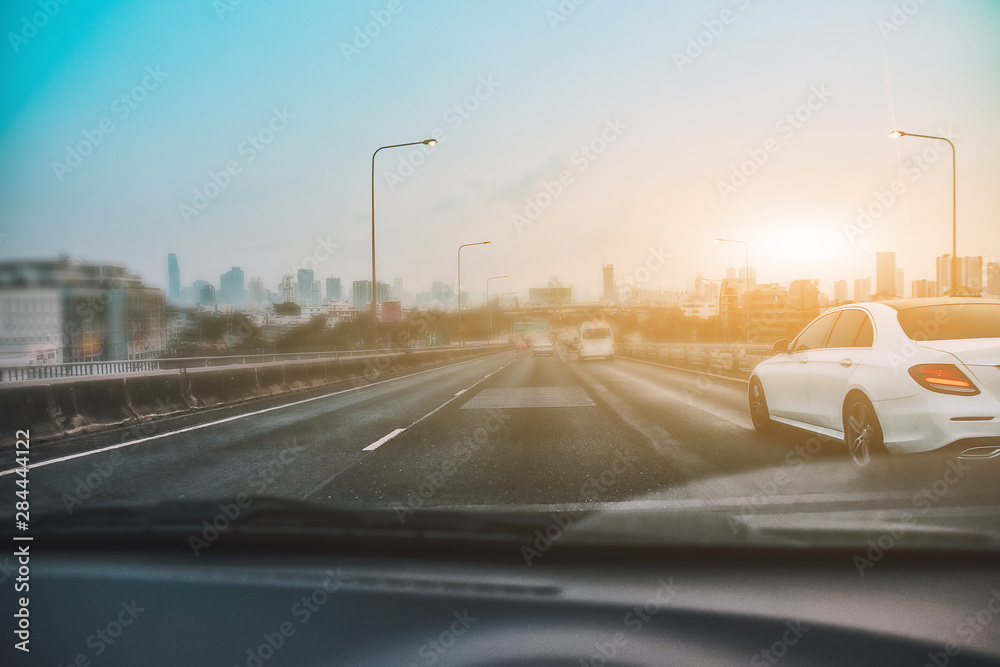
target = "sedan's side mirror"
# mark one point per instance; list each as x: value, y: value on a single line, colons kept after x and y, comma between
x: 780, y: 346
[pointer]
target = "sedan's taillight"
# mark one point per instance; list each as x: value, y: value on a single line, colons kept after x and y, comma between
x: 944, y: 379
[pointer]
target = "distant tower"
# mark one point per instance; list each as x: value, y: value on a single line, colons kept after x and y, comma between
x: 173, y: 279
x: 609, y: 282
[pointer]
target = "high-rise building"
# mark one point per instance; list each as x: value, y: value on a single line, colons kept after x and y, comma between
x: 361, y: 293
x: 885, y: 275
x: 306, y: 279
x: 993, y: 279
x: 899, y: 283
x: 862, y: 289
x: 206, y: 295
x: 62, y: 311
x: 609, y: 282
x: 173, y: 279
x: 257, y: 294
x: 840, y: 291
x: 397, y: 288
x: 923, y: 288
x: 970, y: 274
x: 287, y: 289
x: 333, y: 289
x: 232, y: 289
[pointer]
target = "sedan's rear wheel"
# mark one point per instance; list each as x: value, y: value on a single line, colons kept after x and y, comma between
x: 862, y: 431
x: 759, y: 414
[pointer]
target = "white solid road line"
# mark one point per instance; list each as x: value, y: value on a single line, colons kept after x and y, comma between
x: 229, y: 419
x: 385, y: 438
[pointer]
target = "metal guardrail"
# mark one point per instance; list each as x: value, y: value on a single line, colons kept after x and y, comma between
x: 88, y: 368
x: 733, y: 358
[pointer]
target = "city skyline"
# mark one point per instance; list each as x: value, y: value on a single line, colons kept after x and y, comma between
x: 799, y: 165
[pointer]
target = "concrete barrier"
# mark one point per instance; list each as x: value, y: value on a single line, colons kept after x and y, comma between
x: 90, y: 404
x: 156, y: 394
x: 217, y: 386
x: 271, y: 379
x: 73, y: 405
x: 28, y: 408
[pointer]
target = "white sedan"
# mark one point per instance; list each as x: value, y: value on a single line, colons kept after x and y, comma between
x: 543, y: 346
x: 902, y: 376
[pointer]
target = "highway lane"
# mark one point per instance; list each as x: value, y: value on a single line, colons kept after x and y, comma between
x: 509, y: 430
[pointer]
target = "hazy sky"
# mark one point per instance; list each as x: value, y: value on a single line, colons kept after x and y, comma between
x: 644, y: 127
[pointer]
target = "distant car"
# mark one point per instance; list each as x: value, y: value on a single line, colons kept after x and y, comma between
x: 522, y: 345
x: 571, y: 345
x: 596, y: 340
x: 902, y: 376
x: 543, y: 346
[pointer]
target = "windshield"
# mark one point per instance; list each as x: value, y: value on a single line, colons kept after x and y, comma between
x: 951, y: 321
x: 522, y: 257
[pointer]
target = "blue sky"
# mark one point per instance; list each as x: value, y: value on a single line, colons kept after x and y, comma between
x: 677, y: 132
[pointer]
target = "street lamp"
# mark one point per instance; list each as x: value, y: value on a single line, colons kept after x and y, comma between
x: 748, y: 281
x: 464, y: 245
x: 488, y: 309
x: 954, y: 219
x: 425, y: 142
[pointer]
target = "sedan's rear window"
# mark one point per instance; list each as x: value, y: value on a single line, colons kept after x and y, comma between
x: 951, y: 321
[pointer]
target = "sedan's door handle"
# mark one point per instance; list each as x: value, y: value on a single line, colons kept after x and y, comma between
x: 846, y: 363
x: 803, y: 360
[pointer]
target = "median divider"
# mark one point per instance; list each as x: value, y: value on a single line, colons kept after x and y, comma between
x: 732, y: 360
x: 156, y: 394
x: 271, y: 379
x: 209, y: 387
x: 69, y: 406
x: 87, y: 406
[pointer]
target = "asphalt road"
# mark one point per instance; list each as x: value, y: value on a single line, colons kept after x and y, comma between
x: 505, y: 431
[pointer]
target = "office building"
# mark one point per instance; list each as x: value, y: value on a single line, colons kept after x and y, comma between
x: 63, y: 311
x: 885, y: 275
x: 173, y: 279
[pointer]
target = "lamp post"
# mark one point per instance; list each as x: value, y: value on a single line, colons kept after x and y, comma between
x: 488, y: 309
x: 461, y: 338
x: 425, y: 142
x: 747, y: 248
x: 954, y: 196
